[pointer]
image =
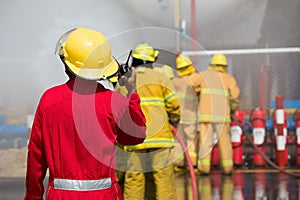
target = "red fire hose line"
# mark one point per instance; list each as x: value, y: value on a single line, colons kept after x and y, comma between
x: 189, y: 161
x: 192, y: 173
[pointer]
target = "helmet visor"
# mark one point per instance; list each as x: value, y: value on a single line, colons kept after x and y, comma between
x: 62, y: 40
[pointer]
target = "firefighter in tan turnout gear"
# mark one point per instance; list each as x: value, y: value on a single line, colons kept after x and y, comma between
x: 188, y: 104
x: 219, y: 95
x: 160, y: 105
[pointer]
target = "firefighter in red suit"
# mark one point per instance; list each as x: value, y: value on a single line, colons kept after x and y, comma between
x: 78, y: 123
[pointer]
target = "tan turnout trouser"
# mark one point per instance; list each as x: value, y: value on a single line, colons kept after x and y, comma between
x: 207, y: 131
x: 159, y: 161
x: 188, y: 132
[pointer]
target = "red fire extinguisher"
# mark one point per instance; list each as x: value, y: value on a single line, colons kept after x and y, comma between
x: 236, y: 133
x: 297, y: 125
x: 280, y: 133
x: 257, y: 119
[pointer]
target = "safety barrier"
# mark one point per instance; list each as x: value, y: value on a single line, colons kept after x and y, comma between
x: 12, y: 135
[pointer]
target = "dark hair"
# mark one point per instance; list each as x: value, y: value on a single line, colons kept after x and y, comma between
x: 68, y: 71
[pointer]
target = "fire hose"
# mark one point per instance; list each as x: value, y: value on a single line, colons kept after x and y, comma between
x: 272, y: 164
x: 189, y: 161
x: 190, y: 165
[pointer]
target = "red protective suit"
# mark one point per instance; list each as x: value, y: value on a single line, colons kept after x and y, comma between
x: 74, y: 132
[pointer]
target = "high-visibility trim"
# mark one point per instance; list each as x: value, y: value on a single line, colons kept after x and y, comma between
x: 188, y: 119
x: 170, y: 97
x: 214, y: 118
x: 186, y: 96
x: 157, y: 100
x: 82, y: 185
x: 226, y: 162
x: 152, y: 101
x: 153, y: 143
x: 214, y: 91
x: 204, y: 161
x: 193, y: 153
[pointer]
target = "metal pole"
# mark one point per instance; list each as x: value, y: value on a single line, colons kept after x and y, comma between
x: 193, y: 24
x: 261, y: 88
x: 177, y: 23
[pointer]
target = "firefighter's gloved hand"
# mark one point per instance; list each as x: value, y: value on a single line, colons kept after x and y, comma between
x: 233, y: 107
x: 173, y: 123
x: 130, y: 82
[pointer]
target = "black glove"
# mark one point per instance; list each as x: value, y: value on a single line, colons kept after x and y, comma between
x: 173, y: 123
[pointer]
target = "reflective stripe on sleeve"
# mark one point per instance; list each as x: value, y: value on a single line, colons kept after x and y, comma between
x: 170, y: 97
x: 152, y: 101
x: 82, y: 185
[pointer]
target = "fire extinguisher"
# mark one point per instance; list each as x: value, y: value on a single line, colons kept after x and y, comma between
x: 280, y: 133
x: 258, y: 123
x: 297, y: 125
x: 236, y: 133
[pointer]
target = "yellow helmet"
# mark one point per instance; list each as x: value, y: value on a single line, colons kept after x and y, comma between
x: 186, y: 71
x: 145, y: 52
x: 183, y: 61
x: 218, y: 59
x: 87, y: 54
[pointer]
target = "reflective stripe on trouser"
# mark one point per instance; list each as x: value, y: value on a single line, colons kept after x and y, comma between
x: 207, y: 142
x: 160, y: 163
x: 190, y: 136
x: 82, y: 185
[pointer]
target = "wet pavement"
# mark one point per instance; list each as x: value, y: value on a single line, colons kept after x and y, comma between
x: 242, y: 184
x: 12, y: 188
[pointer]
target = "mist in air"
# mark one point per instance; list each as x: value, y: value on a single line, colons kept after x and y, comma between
x: 31, y: 28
